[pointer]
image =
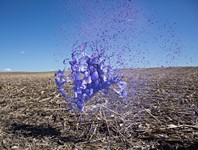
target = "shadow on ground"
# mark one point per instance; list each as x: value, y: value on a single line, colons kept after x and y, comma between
x: 40, y: 131
x: 34, y: 130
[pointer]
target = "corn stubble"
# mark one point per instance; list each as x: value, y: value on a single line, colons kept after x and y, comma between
x: 160, y: 113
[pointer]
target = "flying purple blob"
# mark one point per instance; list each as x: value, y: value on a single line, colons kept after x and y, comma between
x: 89, y: 75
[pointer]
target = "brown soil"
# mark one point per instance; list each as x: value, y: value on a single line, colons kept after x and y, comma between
x: 161, y: 112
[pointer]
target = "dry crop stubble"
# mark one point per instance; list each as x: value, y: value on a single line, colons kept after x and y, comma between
x: 161, y: 113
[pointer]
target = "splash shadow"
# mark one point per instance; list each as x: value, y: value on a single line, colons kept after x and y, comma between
x: 34, y: 130
x: 40, y: 131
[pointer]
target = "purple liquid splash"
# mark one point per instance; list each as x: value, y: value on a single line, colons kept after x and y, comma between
x: 115, y: 35
x: 90, y: 75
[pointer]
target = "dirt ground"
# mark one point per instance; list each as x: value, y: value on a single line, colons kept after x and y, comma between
x: 161, y: 112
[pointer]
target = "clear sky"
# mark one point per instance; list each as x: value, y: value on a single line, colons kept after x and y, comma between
x: 36, y: 35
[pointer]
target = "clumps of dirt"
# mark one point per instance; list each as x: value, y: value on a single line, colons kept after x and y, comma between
x: 160, y: 113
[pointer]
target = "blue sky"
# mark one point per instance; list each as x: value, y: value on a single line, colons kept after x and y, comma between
x: 36, y: 35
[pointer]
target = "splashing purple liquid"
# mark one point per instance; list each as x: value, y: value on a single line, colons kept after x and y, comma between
x: 90, y: 75
x: 130, y: 37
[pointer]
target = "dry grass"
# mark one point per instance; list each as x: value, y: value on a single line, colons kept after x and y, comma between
x: 160, y: 113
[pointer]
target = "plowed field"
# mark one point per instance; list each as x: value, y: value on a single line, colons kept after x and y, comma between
x: 161, y: 112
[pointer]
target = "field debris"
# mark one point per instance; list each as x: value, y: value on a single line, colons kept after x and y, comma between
x: 161, y: 113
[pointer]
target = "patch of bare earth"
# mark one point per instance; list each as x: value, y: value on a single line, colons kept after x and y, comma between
x: 161, y: 112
